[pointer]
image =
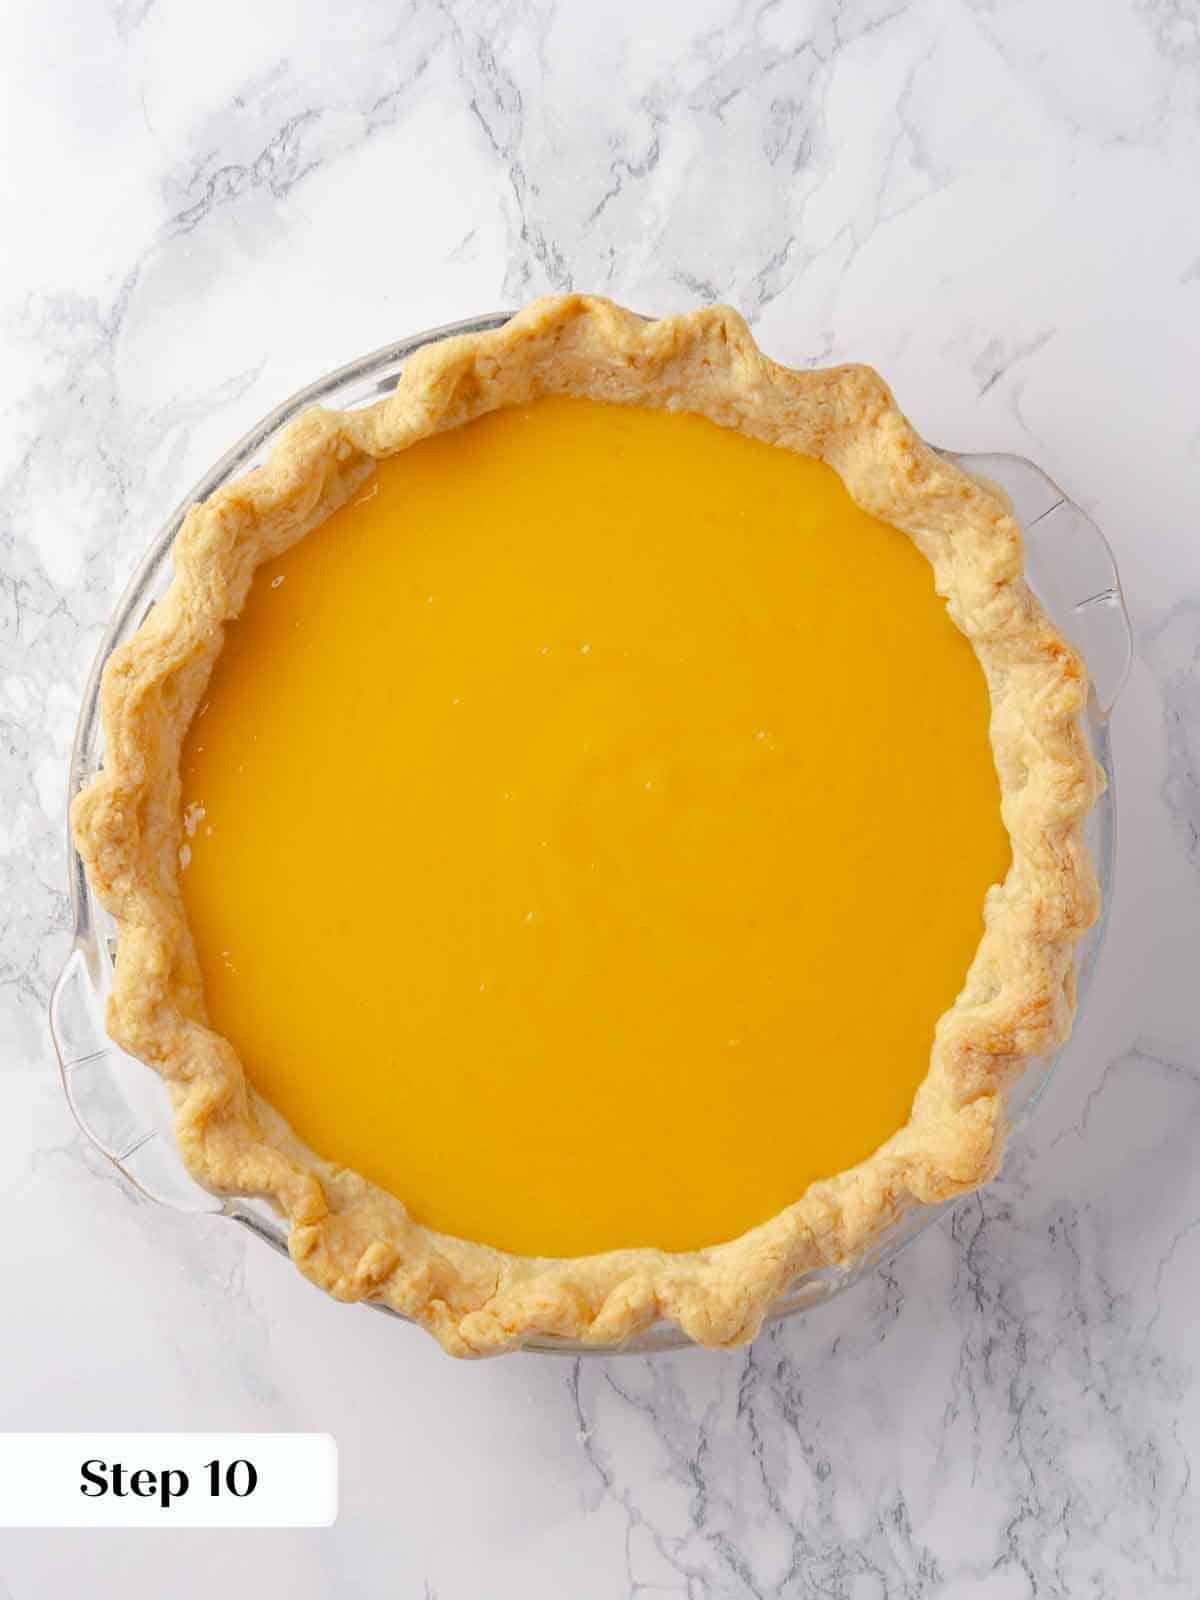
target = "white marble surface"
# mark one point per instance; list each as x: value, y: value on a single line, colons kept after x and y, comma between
x: 994, y: 201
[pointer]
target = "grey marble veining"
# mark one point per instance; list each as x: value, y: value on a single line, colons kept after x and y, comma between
x: 993, y: 201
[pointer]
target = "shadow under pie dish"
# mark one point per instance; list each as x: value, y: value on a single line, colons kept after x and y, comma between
x: 694, y: 883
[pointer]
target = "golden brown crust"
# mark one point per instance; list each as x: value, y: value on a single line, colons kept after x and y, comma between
x: 357, y: 1241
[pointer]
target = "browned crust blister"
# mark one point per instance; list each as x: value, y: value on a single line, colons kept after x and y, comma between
x: 354, y: 1239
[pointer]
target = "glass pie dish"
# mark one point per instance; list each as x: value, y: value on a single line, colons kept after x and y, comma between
x: 123, y: 1107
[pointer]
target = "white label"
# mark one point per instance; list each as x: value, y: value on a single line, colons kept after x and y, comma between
x: 168, y: 1480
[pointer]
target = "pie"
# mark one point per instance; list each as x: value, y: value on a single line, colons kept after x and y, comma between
x: 595, y: 834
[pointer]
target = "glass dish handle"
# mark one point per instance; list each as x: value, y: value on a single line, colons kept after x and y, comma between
x: 1070, y: 568
x: 121, y: 1107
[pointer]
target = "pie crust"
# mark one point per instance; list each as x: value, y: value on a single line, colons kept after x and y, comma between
x: 356, y: 1240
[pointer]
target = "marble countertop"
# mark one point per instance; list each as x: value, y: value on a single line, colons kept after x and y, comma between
x: 991, y: 200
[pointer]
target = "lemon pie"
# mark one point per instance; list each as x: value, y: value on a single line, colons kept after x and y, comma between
x: 595, y: 834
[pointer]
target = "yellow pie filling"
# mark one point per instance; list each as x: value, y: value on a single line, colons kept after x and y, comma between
x: 586, y: 827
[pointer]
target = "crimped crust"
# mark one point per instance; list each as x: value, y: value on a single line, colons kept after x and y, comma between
x: 354, y: 1239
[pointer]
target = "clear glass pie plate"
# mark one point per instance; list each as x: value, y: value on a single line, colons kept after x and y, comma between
x: 122, y: 1106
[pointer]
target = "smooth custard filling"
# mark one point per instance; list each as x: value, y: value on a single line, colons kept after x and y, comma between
x: 586, y: 827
